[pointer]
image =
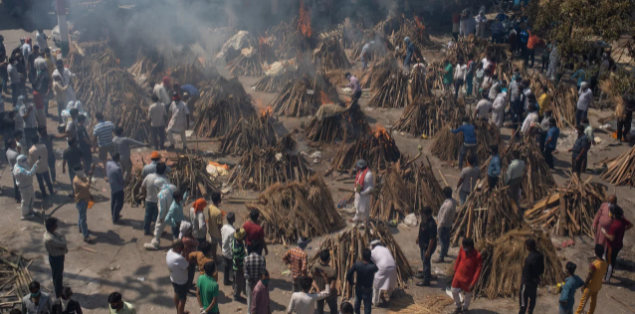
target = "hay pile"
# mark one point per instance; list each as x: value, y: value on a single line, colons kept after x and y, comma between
x: 432, y: 304
x: 306, y: 208
x: 349, y: 124
x: 503, y: 261
x: 447, y: 145
x: 250, y: 133
x: 260, y: 168
x: 568, y: 211
x: 379, y: 150
x: 223, y: 104
x: 346, y: 249
x: 303, y: 97
x: 330, y: 55
x: 429, y: 115
x: 621, y: 170
x: 392, y: 93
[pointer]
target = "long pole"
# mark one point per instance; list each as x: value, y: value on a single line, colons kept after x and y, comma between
x: 60, y: 8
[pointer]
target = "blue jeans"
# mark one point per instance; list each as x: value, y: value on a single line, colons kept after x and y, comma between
x: 82, y: 206
x: 427, y: 267
x: 579, y: 116
x: 152, y: 211
x: 116, y: 203
x: 469, y: 80
x: 463, y: 153
x: 363, y: 295
x: 444, y: 238
x: 176, y: 230
x: 51, y: 163
x: 463, y: 196
x: 71, y: 174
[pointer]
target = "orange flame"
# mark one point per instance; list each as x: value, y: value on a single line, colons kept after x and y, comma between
x: 420, y: 26
x: 324, y: 98
x: 266, y: 112
x: 379, y: 132
x: 304, y: 22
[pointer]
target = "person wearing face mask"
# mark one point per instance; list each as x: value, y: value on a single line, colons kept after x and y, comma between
x: 24, y: 180
x: 37, y: 302
x: 260, y: 295
x: 66, y: 305
x: 118, y: 306
x: 603, y: 220
x: 467, y: 269
x: 364, y: 185
x: 165, y: 197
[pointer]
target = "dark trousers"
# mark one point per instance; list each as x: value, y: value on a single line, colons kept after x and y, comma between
x: 158, y: 137
x: 191, y: 270
x: 492, y: 181
x: 176, y: 230
x: 611, y: 259
x: 363, y: 295
x: 444, y: 238
x: 457, y: 87
x: 152, y: 211
x: 332, y: 302
x: 356, y: 96
x: 60, y: 107
x: 545, y: 63
x: 579, y: 116
x: 548, y: 155
x: 541, y: 140
x: 4, y: 75
x: 16, y: 90
x: 513, y: 189
x: 576, y: 166
x: 527, y: 298
x: 229, y: 266
x: 16, y: 191
x: 88, y: 157
x: 463, y: 153
x: 57, y: 270
x: 116, y: 204
x: 530, y: 55
x: 427, y: 267
x: 624, y: 126
x: 41, y: 178
x: 28, y: 135
x: 51, y: 163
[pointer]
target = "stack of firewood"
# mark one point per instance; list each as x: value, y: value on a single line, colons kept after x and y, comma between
x: 348, y: 124
x: 189, y: 174
x: 254, y: 132
x: 621, y: 170
x: 378, y: 49
x: 378, y: 149
x: 247, y: 63
x: 303, y: 96
x: 379, y: 71
x: 260, y: 168
x: 330, y: 55
x: 447, y: 145
x: 429, y: 115
x: 392, y: 93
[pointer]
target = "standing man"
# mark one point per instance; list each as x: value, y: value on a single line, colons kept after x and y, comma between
x: 116, y: 305
x: 532, y: 270
x: 410, y: 49
x: 41, y: 38
x: 615, y: 238
x: 498, y: 108
x: 161, y: 90
x: 177, y: 265
x: 544, y: 101
x: 16, y: 80
x: 514, y: 177
x: 365, y: 271
x: 322, y: 267
x: 122, y: 146
x: 151, y: 192
x: 446, y: 220
x: 531, y: 120
x: 364, y: 56
x: 193, y: 95
x: 303, y: 301
x: 497, y: 31
x: 593, y: 282
x: 579, y: 150
x: 353, y: 84
x: 30, y: 63
x: 81, y: 186
x: 551, y: 142
x: 59, y: 90
x: 165, y: 199
x: 494, y: 168
x: 516, y: 106
x: 544, y: 128
x: 12, y: 157
x: 254, y: 265
x: 386, y: 276
x: 624, y: 115
x: 215, y: 223
x: 116, y: 181
x: 156, y: 115
x: 227, y: 233
x: 469, y: 76
x: 39, y: 152
x: 27, y: 112
x: 467, y: 270
x: 255, y: 233
x: 483, y: 107
x: 72, y: 157
x: 48, y: 143
x: 481, y: 22
x: 469, y: 140
x: 296, y: 259
x: 57, y: 248
x: 567, y: 296
x: 103, y: 138
x: 207, y: 290
x: 238, y: 258
x: 364, y: 185
x: 554, y: 57
x: 179, y: 121
x: 532, y: 41
x: 584, y: 101
x: 603, y: 220
x: 197, y: 217
x: 448, y: 75
x: 84, y: 142
x: 66, y: 76
x: 24, y: 180
x: 260, y: 299
x: 467, y: 25
x: 427, y: 241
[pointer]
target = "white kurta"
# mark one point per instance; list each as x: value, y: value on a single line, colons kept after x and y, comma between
x: 386, y: 277
x: 178, y: 121
x: 362, y: 199
x: 66, y: 80
x: 498, y: 109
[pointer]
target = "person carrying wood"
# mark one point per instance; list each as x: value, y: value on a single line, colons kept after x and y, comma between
x: 386, y: 276
x: 533, y: 268
x: 296, y: 259
x: 467, y: 270
x: 469, y: 140
x: 514, y: 177
x: 364, y: 186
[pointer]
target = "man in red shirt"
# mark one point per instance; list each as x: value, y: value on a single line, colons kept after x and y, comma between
x: 467, y: 269
x: 254, y: 232
x: 614, y: 237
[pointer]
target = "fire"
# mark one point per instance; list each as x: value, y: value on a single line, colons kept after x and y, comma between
x: 201, y: 60
x: 304, y: 21
x: 262, y: 41
x: 380, y: 131
x: 258, y: 103
x: 324, y: 98
x: 420, y: 26
x: 266, y: 112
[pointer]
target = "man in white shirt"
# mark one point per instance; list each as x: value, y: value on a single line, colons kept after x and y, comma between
x: 66, y: 76
x: 28, y: 113
x: 179, y: 121
x: 161, y: 90
x: 178, y: 274
x: 152, y: 197
x: 498, y: 109
x: 41, y: 39
x: 304, y: 302
x: 514, y: 177
x: 530, y: 120
x: 460, y: 73
x: 156, y: 115
x: 39, y: 152
x: 386, y: 277
x: 227, y: 234
x: 585, y: 100
x: 483, y: 107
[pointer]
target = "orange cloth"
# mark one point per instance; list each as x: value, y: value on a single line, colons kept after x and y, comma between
x: 155, y: 155
x: 200, y: 259
x: 467, y: 269
x: 199, y: 205
x: 532, y: 41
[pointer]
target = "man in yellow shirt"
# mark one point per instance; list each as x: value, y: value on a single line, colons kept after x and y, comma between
x: 215, y: 223
x: 544, y: 101
x: 593, y: 282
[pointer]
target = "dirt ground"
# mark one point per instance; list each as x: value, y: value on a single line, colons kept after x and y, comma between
x: 117, y: 260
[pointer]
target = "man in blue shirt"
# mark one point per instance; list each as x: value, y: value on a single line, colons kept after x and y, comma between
x: 410, y: 49
x: 550, y: 142
x: 494, y: 168
x: 469, y: 140
x: 579, y: 150
x: 572, y: 283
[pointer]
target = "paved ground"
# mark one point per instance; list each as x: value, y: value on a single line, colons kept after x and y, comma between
x: 117, y: 260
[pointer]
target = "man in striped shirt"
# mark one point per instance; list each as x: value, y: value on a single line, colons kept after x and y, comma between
x: 57, y: 248
x: 103, y: 138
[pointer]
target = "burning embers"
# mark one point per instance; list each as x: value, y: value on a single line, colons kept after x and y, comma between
x: 304, y: 21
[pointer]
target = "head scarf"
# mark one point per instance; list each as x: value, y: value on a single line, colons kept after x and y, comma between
x: 22, y: 161
x: 185, y: 228
x: 199, y: 205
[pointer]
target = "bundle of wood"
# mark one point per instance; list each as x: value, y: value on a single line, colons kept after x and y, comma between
x: 486, y: 215
x: 189, y: 174
x: 378, y: 46
x: 248, y: 63
x: 537, y: 178
x: 224, y: 103
x: 447, y: 145
x: 461, y: 48
x: 435, y: 76
x: 378, y: 149
x: 379, y: 72
x: 568, y: 211
x: 350, y: 123
x: 393, y: 92
x: 564, y: 104
x: 424, y: 187
x: 306, y: 208
x: 286, y: 143
x: 346, y: 249
x: 132, y: 191
x: 194, y: 73
x: 250, y: 133
x: 393, y: 199
x: 621, y: 170
x: 303, y: 97
x: 503, y: 261
x: 329, y: 55
x: 260, y: 168
x: 428, y: 115
x: 15, y: 277
x: 420, y: 83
